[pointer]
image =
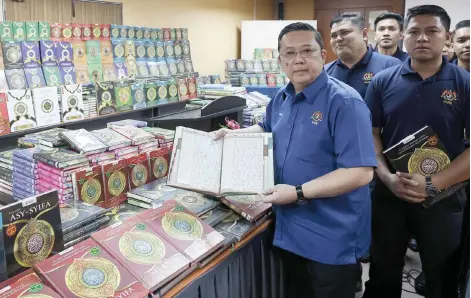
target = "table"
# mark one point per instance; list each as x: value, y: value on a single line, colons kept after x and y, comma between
x: 251, y: 269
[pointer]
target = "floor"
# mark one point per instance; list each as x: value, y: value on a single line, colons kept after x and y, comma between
x: 412, y: 262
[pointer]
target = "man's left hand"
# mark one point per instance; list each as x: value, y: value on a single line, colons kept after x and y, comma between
x: 280, y: 194
x: 418, y: 178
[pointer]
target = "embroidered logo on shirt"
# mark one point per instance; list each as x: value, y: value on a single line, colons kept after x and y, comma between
x: 449, y: 96
x: 316, y: 117
x: 367, y: 77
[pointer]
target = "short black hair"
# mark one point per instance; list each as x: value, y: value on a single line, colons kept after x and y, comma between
x: 391, y: 15
x: 354, y: 18
x: 431, y: 10
x: 462, y: 24
x: 300, y: 26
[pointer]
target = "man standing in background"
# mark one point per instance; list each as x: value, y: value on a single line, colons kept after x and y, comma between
x: 425, y: 90
x: 461, y: 44
x: 388, y: 33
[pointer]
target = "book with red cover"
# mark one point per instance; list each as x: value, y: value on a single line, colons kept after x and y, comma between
x: 251, y: 207
x: 4, y: 120
x: 26, y: 284
x: 87, y: 270
x: 146, y: 254
x: 139, y: 173
x: 159, y: 162
x: 115, y: 176
x: 89, y: 187
x: 183, y: 229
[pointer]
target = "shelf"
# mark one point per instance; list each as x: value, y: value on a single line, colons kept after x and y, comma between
x: 101, y: 117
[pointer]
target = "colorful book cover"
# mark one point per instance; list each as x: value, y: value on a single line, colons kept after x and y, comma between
x: 16, y: 79
x: 20, y: 110
x: 139, y: 173
x: 72, y: 103
x: 30, y: 53
x: 89, y: 186
x: 68, y: 75
x: 44, y: 30
x: 106, y: 52
x: 4, y: 120
x: 80, y: 51
x: 60, y: 158
x: 83, y: 141
x: 6, y: 31
x: 19, y: 31
x: 138, y: 96
x: 87, y: 270
x: 52, y: 75
x: 147, y: 255
x: 159, y: 162
x: 183, y: 229
x: 95, y: 72
x: 46, y: 106
x: 123, y: 95
x: 64, y: 53
x: 115, y: 176
x: 32, y: 231
x: 93, y: 52
x: 111, y: 138
x: 105, y: 98
x: 26, y: 285
x: 251, y: 207
x: 35, y: 77
x: 48, y: 53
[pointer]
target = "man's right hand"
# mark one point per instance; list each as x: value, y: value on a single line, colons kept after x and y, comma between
x: 398, y: 187
x: 219, y: 134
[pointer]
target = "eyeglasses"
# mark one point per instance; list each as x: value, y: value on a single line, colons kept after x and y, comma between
x: 290, y: 55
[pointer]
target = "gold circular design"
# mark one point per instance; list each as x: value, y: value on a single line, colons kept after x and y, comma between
x: 160, y: 51
x: 119, y: 51
x: 169, y: 50
x: 131, y: 33
x: 163, y: 92
x: 91, y: 191
x: 92, y: 278
x: 151, y: 94
x: 34, y: 243
x: 123, y: 95
x: 68, y: 214
x: 427, y: 161
x: 115, y: 32
x: 151, y: 51
x: 160, y: 167
x: 178, y: 50
x: 142, y: 248
x: 116, y: 183
x: 141, y: 51
x: 182, y: 226
x: 173, y: 90
x: 183, y: 89
x: 192, y: 87
x: 139, y: 95
x: 139, y: 175
x: 87, y: 32
x: 97, y: 32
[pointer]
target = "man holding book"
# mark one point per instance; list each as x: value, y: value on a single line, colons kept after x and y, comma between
x: 323, y: 159
x: 425, y: 90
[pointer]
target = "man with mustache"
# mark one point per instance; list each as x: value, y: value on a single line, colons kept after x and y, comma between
x: 461, y: 44
x: 425, y: 90
x: 357, y: 64
x: 388, y: 32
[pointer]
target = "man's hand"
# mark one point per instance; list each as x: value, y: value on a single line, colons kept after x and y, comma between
x: 419, y: 179
x: 404, y: 188
x: 280, y: 194
x: 219, y: 134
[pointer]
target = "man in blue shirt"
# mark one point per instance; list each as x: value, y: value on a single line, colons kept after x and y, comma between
x: 388, y: 32
x: 461, y: 44
x: 357, y: 64
x: 424, y: 90
x: 324, y: 159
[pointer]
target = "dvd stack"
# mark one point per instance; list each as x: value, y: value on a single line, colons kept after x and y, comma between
x: 54, y: 169
x: 163, y: 136
x: 6, y: 170
x: 24, y: 173
x: 89, y: 100
x: 80, y: 220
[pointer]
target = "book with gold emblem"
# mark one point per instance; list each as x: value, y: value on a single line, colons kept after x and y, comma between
x: 12, y: 55
x: 139, y: 172
x: 115, y: 177
x: 88, y: 270
x: 183, y: 229
x: 122, y: 212
x: 35, y: 77
x: 88, y: 186
x: 106, y: 98
x: 159, y: 162
x: 32, y: 231
x: 146, y: 254
x: 16, y: 79
x: 72, y: 103
x: 46, y: 106
x: 26, y: 285
x: 21, y: 110
x: 123, y: 95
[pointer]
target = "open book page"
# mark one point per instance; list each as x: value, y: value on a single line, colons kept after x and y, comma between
x: 247, y: 163
x: 196, y: 161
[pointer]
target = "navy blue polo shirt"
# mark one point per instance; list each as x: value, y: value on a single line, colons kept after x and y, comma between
x: 401, y: 103
x: 399, y: 54
x: 325, y: 127
x: 360, y: 75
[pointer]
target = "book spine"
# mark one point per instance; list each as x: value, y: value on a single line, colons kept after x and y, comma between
x: 47, y: 161
x: 237, y: 209
x: 85, y: 229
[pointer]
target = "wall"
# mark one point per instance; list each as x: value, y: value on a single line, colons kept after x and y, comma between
x: 213, y: 25
x: 299, y: 9
x: 457, y: 9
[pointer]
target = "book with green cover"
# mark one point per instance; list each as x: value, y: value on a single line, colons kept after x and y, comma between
x: 123, y: 95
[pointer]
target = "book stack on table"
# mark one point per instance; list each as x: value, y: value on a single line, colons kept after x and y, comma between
x: 6, y: 171
x: 163, y: 136
x: 24, y: 173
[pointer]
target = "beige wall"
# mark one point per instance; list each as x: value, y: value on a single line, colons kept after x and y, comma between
x: 213, y: 25
x: 299, y: 9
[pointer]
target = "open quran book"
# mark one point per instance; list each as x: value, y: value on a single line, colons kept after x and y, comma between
x: 240, y: 163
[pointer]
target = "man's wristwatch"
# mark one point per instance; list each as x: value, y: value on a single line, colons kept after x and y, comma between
x: 300, y: 194
x: 429, y: 187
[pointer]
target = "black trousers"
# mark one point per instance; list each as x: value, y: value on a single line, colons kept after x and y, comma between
x: 309, y: 279
x: 437, y: 231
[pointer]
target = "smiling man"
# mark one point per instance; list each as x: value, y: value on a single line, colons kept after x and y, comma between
x: 461, y: 44
x: 424, y: 90
x: 357, y: 64
x: 324, y: 159
x: 388, y: 33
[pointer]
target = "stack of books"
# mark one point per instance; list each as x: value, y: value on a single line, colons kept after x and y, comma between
x: 164, y: 136
x: 54, y: 169
x: 6, y: 171
x: 24, y: 173
x: 80, y: 220
x: 83, y: 142
x: 47, y: 139
x: 89, y: 100
x: 139, y: 138
x: 130, y: 122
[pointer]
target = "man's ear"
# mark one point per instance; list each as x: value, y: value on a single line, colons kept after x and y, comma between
x: 365, y: 35
x: 324, y: 55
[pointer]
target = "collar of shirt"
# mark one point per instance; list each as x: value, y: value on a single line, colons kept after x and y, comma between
x: 310, y: 91
x: 442, y: 74
x: 363, y: 62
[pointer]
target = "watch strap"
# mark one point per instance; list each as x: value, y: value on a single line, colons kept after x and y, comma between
x: 299, y: 192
